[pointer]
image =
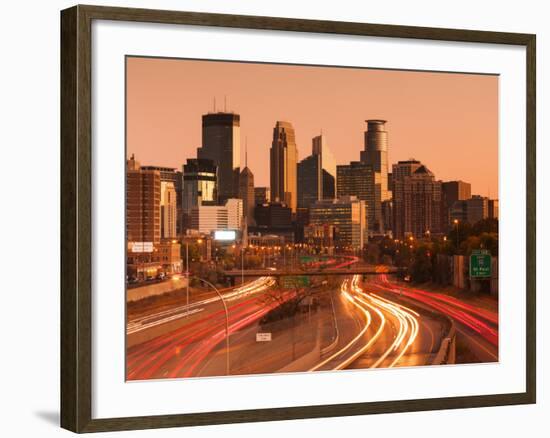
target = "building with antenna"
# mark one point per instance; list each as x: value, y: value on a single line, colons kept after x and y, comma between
x: 221, y: 139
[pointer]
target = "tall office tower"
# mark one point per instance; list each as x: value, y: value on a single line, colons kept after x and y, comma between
x: 142, y: 204
x: 283, y: 165
x: 221, y: 139
x: 347, y: 215
x: 417, y: 204
x: 170, y: 174
x: 452, y: 191
x: 319, y: 147
x: 360, y: 180
x: 376, y: 153
x: 209, y: 218
x: 168, y: 210
x: 310, y: 181
x: 262, y: 195
x: 246, y: 193
x: 199, y: 186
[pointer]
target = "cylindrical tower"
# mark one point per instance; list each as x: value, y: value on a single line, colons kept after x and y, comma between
x: 376, y: 137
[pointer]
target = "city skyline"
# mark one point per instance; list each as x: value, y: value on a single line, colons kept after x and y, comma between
x: 155, y: 112
x: 364, y: 219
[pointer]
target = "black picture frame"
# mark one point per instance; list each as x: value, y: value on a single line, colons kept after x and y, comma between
x: 76, y: 218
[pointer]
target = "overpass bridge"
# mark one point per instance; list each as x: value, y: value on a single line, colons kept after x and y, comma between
x: 350, y: 270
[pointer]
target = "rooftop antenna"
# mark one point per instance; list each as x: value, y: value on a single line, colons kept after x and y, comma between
x: 224, y: 104
x: 214, y: 103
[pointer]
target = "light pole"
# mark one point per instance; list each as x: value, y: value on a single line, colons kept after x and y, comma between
x: 456, y: 225
x: 227, y: 368
x: 242, y: 265
x: 187, y: 272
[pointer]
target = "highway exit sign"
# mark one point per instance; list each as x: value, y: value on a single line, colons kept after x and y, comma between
x: 480, y: 264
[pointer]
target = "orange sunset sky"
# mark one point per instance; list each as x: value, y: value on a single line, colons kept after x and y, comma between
x: 447, y: 121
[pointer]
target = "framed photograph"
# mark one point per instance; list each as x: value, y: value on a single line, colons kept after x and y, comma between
x: 270, y: 218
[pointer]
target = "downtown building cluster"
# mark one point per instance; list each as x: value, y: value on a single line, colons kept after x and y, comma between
x: 313, y: 202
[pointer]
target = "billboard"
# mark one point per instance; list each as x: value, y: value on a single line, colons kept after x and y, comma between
x: 225, y: 235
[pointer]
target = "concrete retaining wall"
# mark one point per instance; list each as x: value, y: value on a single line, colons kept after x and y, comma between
x: 138, y: 293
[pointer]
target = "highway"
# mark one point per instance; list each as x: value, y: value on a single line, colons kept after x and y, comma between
x: 387, y: 334
x: 358, y: 325
x: 177, y: 353
x: 476, y: 319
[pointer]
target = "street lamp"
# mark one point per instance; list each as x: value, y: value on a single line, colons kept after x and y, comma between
x: 227, y: 368
x: 187, y: 272
x: 242, y: 265
x: 456, y: 225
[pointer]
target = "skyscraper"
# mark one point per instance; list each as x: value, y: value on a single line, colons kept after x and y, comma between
x: 376, y: 153
x: 416, y: 204
x: 199, y: 186
x: 283, y: 165
x: 221, y: 139
x: 310, y: 181
x: 168, y: 208
x: 328, y: 163
x: 359, y: 179
x: 246, y: 193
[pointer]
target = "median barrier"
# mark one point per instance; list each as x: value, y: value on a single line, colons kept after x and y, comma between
x: 334, y: 343
x: 447, y: 350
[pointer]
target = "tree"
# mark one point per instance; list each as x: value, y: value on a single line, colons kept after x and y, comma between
x: 372, y: 255
x: 421, y: 268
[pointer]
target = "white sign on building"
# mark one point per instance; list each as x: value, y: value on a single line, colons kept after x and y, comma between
x: 141, y: 246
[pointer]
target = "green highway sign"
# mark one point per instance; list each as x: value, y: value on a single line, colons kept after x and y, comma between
x: 480, y: 264
x: 294, y: 281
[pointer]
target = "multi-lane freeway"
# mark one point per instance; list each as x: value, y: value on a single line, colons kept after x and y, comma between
x: 352, y: 323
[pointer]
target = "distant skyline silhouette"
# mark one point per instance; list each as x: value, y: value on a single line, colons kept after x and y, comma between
x: 449, y: 121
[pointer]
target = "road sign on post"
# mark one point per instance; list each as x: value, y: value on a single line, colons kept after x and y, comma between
x: 263, y: 337
x: 480, y: 264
